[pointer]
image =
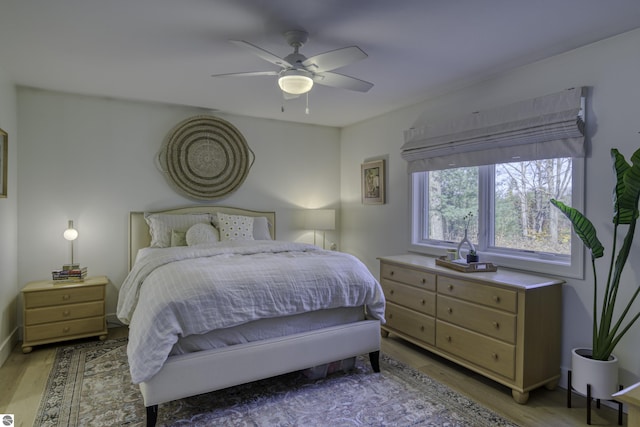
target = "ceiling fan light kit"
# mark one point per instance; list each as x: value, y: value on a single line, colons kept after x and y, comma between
x: 295, y: 82
x: 298, y: 73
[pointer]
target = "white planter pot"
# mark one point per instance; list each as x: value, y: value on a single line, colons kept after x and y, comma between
x: 601, y: 374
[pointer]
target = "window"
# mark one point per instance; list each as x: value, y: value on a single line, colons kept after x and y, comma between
x: 512, y: 222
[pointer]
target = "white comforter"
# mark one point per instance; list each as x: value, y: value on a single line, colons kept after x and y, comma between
x: 176, y: 292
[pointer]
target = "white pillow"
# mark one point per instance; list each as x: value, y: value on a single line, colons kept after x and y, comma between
x: 235, y: 227
x: 261, y: 227
x: 161, y: 226
x: 202, y: 233
x: 178, y: 238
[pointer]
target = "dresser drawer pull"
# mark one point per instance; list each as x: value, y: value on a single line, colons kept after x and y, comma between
x: 390, y: 315
x: 423, y: 302
x: 450, y: 287
x: 449, y: 310
x: 66, y: 313
x: 424, y: 280
x: 449, y: 338
x: 496, y: 325
x: 391, y: 273
x: 421, y: 328
x: 496, y: 298
x: 494, y: 356
x: 66, y: 329
x: 391, y: 291
x: 66, y: 297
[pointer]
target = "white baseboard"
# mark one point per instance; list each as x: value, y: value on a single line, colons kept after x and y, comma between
x: 7, y: 345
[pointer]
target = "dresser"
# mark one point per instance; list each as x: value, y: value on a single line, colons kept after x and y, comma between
x: 56, y: 311
x: 504, y: 325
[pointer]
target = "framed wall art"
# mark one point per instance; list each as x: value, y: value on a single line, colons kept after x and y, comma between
x: 372, y: 175
x: 4, y: 142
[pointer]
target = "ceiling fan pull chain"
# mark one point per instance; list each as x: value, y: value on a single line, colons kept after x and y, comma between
x: 306, y: 111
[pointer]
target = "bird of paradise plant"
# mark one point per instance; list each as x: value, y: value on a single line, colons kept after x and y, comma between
x: 608, y: 330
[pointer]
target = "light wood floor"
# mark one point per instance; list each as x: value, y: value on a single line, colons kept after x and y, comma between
x: 23, y: 378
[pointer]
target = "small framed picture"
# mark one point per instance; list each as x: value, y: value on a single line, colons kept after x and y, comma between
x: 4, y: 142
x: 372, y: 174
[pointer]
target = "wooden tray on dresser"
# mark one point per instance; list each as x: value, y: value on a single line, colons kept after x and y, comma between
x: 471, y: 267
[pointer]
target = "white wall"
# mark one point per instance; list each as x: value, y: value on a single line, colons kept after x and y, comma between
x: 610, y: 68
x: 91, y: 160
x: 9, y: 287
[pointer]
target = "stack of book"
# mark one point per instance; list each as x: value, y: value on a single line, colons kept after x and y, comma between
x: 70, y: 273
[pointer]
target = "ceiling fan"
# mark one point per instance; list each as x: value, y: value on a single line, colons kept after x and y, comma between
x: 299, y: 73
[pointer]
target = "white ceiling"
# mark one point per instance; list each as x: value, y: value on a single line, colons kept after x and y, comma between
x: 166, y: 50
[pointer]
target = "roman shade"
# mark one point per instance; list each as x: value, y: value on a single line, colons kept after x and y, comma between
x: 547, y: 127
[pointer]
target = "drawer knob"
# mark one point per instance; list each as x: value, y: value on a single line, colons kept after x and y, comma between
x: 390, y: 315
x: 450, y: 287
x: 66, y: 297
x: 421, y: 328
x: 449, y: 338
x: 423, y: 302
x: 496, y: 325
x: 66, y: 313
x: 391, y: 273
x: 496, y: 298
x: 391, y: 292
x: 65, y: 329
x: 424, y: 280
x: 449, y: 310
x: 494, y: 356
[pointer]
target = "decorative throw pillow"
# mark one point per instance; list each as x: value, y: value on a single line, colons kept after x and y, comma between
x: 261, y: 228
x: 178, y: 238
x: 201, y: 233
x: 235, y: 227
x: 161, y: 225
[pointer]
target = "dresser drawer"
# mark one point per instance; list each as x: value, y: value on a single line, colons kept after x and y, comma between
x: 409, y: 276
x: 483, y: 351
x: 494, y: 323
x: 419, y: 326
x: 62, y: 330
x: 66, y: 295
x: 491, y: 296
x: 417, y: 299
x: 60, y: 313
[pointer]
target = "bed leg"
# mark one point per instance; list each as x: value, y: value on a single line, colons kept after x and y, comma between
x: 152, y: 415
x: 374, y: 358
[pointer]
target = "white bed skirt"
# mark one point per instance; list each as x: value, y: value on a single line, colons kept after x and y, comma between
x: 195, y: 373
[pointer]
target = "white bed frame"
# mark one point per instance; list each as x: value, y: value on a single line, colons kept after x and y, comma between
x: 195, y: 373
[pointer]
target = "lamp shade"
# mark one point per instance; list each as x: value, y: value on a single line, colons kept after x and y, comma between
x: 320, y: 219
x: 295, y: 82
x: 70, y: 233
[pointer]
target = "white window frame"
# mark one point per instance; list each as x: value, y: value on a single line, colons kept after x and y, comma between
x: 564, y: 266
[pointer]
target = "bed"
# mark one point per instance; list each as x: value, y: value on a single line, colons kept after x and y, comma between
x: 246, y: 340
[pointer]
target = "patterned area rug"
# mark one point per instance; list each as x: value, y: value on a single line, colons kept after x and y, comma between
x: 89, y: 385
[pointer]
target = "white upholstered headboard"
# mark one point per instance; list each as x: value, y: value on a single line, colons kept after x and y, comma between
x: 139, y: 236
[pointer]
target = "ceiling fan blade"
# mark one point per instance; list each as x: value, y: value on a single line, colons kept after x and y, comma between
x: 248, y: 74
x: 342, y: 81
x: 334, y: 59
x: 264, y: 54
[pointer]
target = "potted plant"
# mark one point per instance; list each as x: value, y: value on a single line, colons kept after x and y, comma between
x: 472, y: 256
x: 612, y: 322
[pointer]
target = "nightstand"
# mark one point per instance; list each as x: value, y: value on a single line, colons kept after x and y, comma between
x: 63, y: 311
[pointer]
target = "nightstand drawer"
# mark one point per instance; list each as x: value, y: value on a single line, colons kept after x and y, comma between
x: 57, y: 330
x: 66, y: 295
x: 492, y: 296
x: 419, y: 326
x: 486, y: 352
x: 408, y: 296
x: 409, y: 276
x: 494, y: 323
x: 60, y: 313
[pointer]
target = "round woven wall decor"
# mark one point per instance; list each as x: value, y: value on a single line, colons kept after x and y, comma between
x: 205, y: 157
